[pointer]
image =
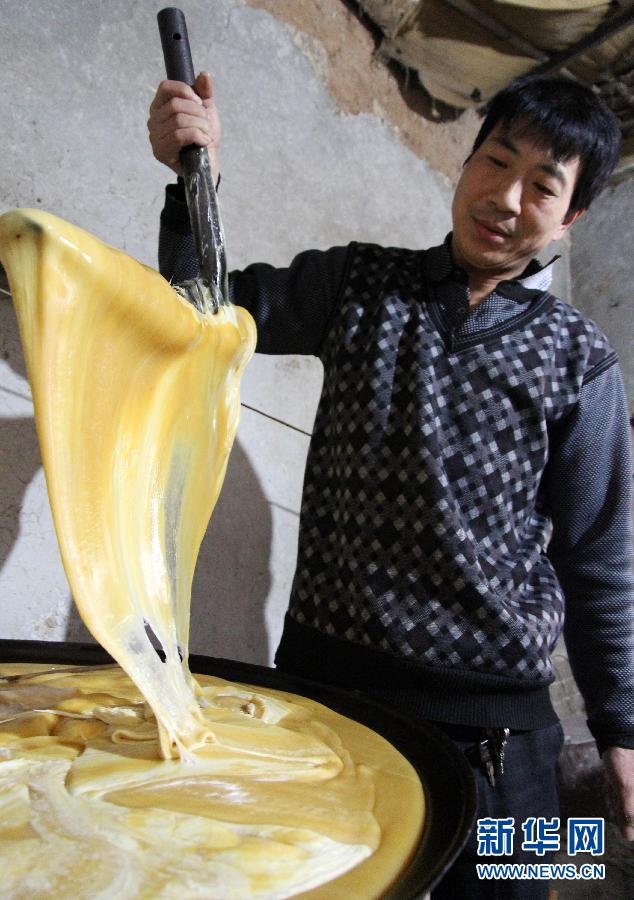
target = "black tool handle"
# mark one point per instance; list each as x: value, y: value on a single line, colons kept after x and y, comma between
x: 179, y: 67
x: 175, y: 43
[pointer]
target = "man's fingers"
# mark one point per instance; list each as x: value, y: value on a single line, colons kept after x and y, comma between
x: 181, y: 115
x: 174, y: 111
x: 180, y: 130
x: 201, y: 90
x: 183, y: 137
x: 624, y: 816
x: 168, y: 90
x: 619, y: 766
x: 167, y: 146
x: 179, y: 118
x: 203, y: 86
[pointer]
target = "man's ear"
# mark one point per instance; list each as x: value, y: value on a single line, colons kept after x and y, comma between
x: 569, y: 218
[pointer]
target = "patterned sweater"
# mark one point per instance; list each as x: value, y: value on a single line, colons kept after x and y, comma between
x: 456, y: 499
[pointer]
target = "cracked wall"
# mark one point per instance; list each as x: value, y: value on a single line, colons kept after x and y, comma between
x: 343, y: 53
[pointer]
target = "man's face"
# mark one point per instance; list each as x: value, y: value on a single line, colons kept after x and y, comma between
x: 511, y: 200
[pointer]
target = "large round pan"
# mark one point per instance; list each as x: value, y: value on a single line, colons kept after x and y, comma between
x: 448, y: 782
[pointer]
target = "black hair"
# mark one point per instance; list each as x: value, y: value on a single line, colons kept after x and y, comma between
x: 568, y: 118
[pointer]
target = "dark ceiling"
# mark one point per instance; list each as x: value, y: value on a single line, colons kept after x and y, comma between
x: 464, y: 52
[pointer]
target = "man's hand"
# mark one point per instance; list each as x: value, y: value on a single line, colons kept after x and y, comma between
x: 619, y: 767
x: 180, y: 115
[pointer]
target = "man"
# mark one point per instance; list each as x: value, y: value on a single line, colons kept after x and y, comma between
x: 455, y: 488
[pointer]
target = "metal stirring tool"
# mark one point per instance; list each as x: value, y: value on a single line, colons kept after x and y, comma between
x: 211, y: 290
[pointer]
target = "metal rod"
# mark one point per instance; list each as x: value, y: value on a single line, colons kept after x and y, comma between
x: 608, y: 27
x: 473, y: 12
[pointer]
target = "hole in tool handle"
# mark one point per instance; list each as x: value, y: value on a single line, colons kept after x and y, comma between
x: 175, y: 43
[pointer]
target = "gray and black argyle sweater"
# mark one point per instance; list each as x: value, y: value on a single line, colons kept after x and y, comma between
x: 439, y: 545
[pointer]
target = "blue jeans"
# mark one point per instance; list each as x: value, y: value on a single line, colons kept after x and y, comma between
x: 528, y: 788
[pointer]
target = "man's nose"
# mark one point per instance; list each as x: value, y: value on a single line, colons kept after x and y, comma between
x: 507, y: 196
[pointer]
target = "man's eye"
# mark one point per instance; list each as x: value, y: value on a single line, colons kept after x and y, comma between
x: 497, y: 162
x: 544, y: 189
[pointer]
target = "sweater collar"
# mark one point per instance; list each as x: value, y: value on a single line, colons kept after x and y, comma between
x: 536, y: 278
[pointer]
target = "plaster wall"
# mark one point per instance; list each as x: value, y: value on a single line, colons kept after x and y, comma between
x: 602, y: 271
x: 297, y: 172
x: 601, y: 274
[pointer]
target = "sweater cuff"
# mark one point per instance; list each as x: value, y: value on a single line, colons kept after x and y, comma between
x: 614, y: 739
x: 175, y: 216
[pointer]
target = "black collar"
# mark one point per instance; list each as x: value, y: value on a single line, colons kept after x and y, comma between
x: 439, y: 266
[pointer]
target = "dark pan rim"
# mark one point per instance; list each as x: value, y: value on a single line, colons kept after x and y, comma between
x: 447, y: 779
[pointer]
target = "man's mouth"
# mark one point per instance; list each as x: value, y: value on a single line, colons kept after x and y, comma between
x: 490, y: 231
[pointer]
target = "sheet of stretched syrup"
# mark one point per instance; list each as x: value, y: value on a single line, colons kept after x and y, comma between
x: 136, y: 398
x: 136, y: 402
